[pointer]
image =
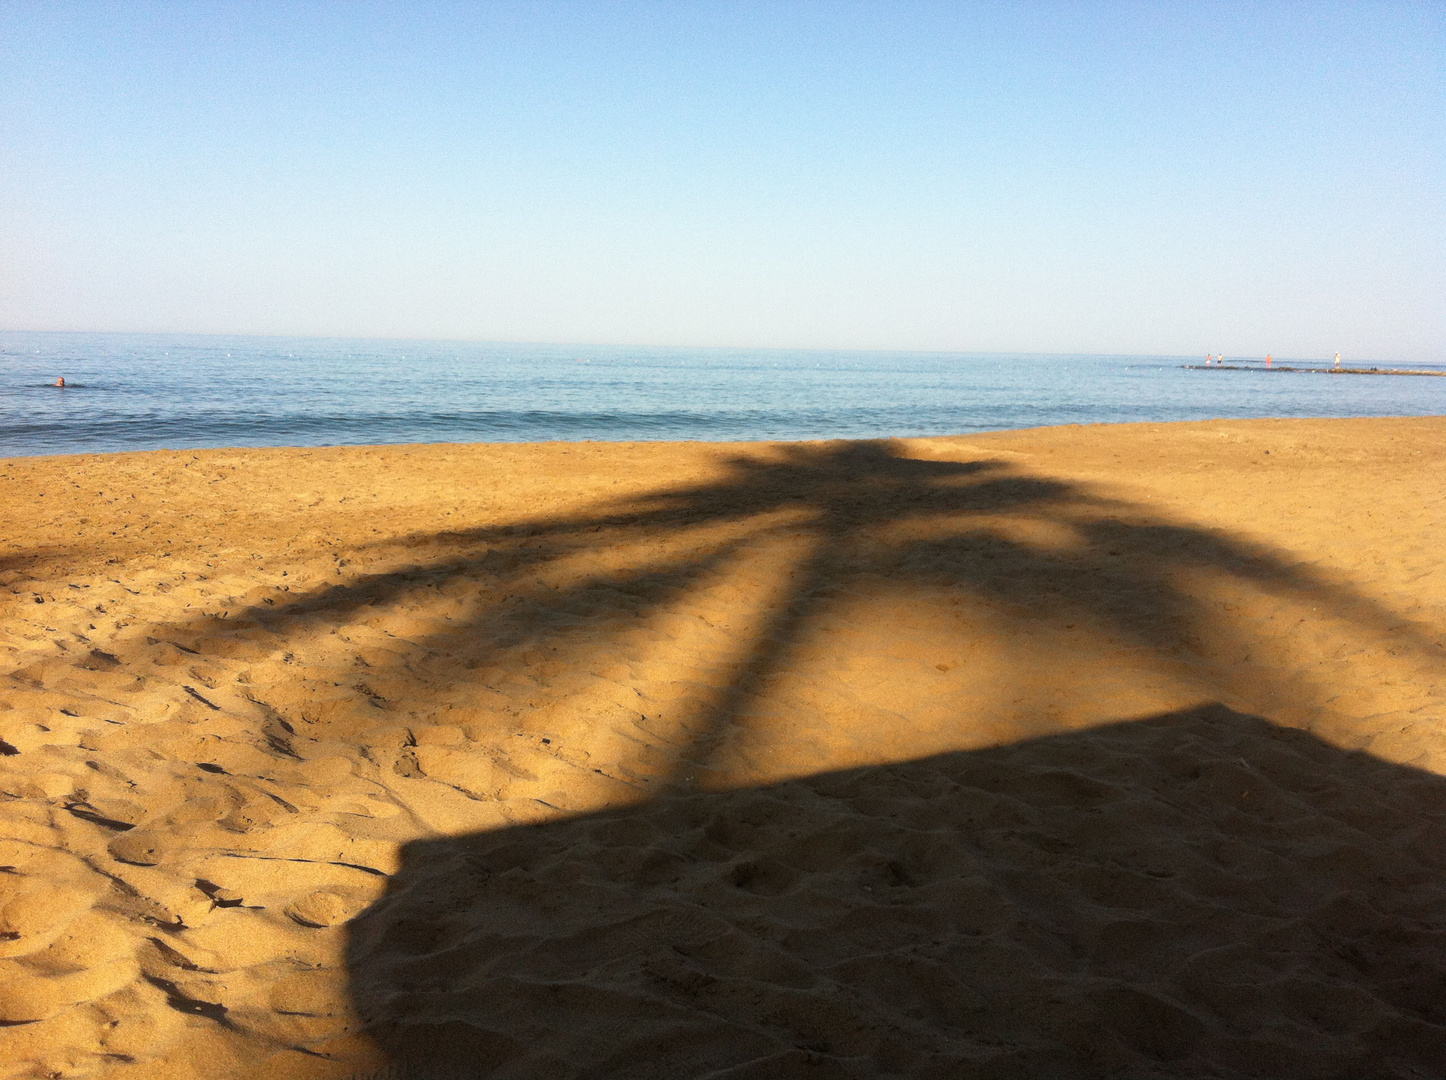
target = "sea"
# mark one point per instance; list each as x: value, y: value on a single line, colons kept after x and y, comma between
x: 175, y: 391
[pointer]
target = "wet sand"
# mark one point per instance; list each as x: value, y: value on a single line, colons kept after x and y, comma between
x: 1086, y: 751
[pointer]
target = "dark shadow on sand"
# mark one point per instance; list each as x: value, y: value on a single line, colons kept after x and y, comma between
x: 1198, y: 894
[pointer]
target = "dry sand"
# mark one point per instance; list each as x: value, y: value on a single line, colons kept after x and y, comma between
x: 1109, y: 751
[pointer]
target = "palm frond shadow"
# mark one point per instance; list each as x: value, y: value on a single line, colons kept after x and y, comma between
x: 858, y: 518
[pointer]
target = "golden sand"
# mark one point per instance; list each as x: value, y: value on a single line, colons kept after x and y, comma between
x: 1093, y: 751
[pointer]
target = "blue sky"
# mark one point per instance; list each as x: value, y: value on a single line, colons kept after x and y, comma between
x: 1046, y: 177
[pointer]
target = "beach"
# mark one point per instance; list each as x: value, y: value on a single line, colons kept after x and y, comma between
x: 1073, y: 751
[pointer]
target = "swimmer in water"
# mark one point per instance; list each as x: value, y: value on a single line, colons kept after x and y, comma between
x: 60, y: 381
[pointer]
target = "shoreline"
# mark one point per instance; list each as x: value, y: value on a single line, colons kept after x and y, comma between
x: 1081, y: 728
x: 903, y: 440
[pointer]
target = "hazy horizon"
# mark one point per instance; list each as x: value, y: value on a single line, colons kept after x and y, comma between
x: 666, y: 346
x: 1435, y: 358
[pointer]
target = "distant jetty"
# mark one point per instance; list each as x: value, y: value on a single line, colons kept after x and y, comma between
x: 1313, y: 370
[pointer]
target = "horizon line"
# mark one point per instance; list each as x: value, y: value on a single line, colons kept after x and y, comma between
x: 896, y: 350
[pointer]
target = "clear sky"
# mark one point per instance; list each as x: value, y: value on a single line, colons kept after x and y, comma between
x: 1074, y: 177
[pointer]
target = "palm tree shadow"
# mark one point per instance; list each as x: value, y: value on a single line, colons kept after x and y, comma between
x: 853, y: 518
x: 708, y: 928
x: 1196, y: 894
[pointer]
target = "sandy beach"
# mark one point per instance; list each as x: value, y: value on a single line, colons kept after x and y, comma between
x: 1070, y: 752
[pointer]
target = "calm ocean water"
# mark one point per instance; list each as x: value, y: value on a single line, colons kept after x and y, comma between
x: 144, y: 392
